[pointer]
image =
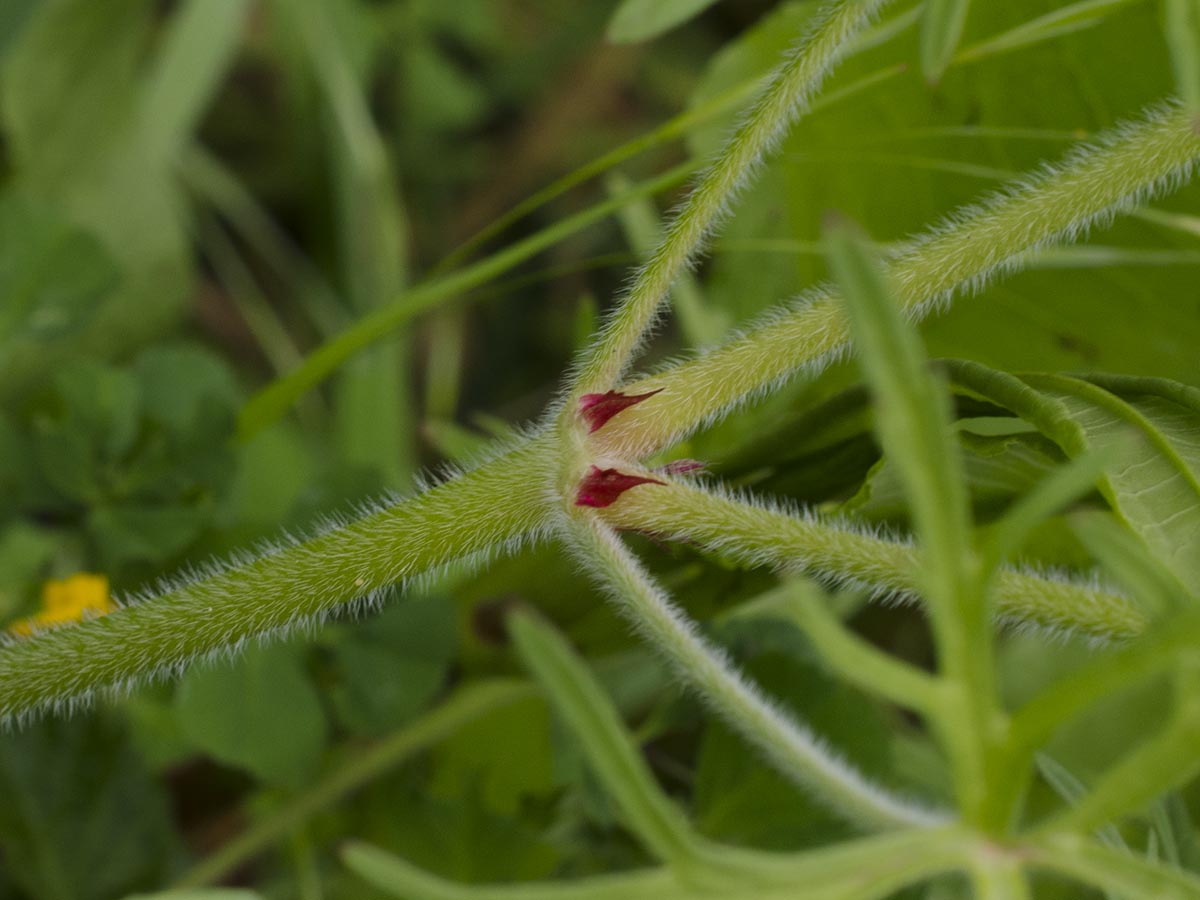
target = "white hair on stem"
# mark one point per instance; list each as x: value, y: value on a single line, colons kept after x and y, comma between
x: 289, y: 584
x: 790, y: 746
x: 1056, y: 203
x: 788, y: 95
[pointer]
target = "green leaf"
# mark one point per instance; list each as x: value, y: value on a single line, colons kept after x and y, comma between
x: 590, y: 714
x: 259, y: 712
x: 196, y: 52
x: 1148, y: 425
x: 25, y: 551
x: 912, y: 414
x: 1172, y: 822
x: 1181, y: 28
x: 53, y: 275
x: 640, y: 20
x: 390, y: 667
x: 132, y: 533
x: 99, y: 402
x: 13, y: 16
x: 499, y: 760
x: 70, y: 80
x: 998, y: 469
x: 1126, y: 558
x: 52, y: 771
x: 941, y: 28
x: 461, y: 839
x: 187, y: 390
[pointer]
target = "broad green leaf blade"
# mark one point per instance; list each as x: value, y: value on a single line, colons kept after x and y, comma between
x: 1127, y: 559
x: 1060, y: 487
x: 941, y: 29
x: 640, y: 20
x: 1181, y: 27
x: 1149, y: 425
x: 590, y: 714
x: 997, y: 468
x: 390, y: 667
x: 261, y: 713
x: 53, y: 277
x: 52, y: 771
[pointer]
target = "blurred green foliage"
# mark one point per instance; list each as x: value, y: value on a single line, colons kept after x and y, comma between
x: 195, y: 194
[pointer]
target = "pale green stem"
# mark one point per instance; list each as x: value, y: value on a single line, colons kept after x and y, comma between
x: 974, y: 246
x: 854, y: 659
x: 499, y: 503
x: 999, y: 875
x: 768, y: 536
x: 400, y: 878
x: 786, y: 98
x: 699, y: 325
x: 1115, y: 871
x: 787, y: 745
x: 355, y: 773
x: 576, y: 696
x: 912, y: 420
x: 870, y: 868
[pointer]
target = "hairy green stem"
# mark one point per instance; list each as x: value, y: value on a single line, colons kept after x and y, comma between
x: 788, y: 746
x: 769, y: 536
x: 786, y: 98
x: 973, y: 246
x: 499, y: 503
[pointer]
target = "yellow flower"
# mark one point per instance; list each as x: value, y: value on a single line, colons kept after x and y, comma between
x: 82, y: 596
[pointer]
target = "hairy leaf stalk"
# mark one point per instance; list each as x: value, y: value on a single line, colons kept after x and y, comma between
x: 971, y: 248
x: 788, y: 96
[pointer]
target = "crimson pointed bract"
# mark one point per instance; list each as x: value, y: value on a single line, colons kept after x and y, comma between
x: 597, y: 409
x: 601, y: 487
